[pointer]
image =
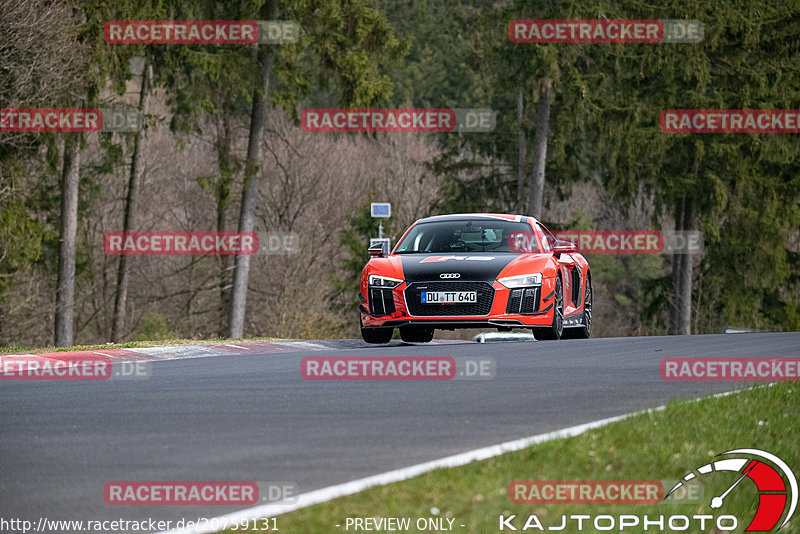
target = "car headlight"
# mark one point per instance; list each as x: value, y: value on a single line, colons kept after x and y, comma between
x: 522, y: 281
x: 384, y: 281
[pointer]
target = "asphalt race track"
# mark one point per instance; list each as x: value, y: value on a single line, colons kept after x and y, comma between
x: 254, y: 418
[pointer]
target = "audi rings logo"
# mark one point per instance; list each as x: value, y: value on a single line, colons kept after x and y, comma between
x: 450, y: 275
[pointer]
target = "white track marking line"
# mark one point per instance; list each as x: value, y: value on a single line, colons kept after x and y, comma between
x: 302, y: 344
x: 329, y: 493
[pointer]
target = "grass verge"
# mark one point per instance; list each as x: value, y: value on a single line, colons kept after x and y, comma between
x: 657, y: 445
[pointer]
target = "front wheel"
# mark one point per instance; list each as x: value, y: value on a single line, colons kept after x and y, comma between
x: 377, y: 335
x: 416, y: 334
x: 555, y: 330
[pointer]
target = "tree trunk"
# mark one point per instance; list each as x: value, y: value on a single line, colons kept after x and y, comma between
x: 680, y: 317
x: 129, y: 223
x: 522, y: 149
x: 223, y: 198
x: 685, y: 301
x: 540, y: 148
x: 65, y: 294
x: 247, y: 210
x: 674, y: 293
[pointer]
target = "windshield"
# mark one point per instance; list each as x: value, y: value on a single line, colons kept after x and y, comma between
x: 468, y: 235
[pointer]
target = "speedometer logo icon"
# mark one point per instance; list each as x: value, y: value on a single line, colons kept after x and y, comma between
x: 776, y: 487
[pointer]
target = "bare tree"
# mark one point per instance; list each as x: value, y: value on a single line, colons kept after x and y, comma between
x: 536, y: 192
x: 42, y: 64
x: 65, y: 295
x: 247, y: 210
x: 680, y: 311
x: 41, y: 60
x: 225, y: 163
x: 522, y: 150
x: 131, y: 200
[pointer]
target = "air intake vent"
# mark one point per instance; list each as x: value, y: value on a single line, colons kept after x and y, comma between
x: 381, y: 302
x: 523, y: 301
x: 576, y: 284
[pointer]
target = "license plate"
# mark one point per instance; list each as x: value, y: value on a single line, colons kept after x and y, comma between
x: 449, y: 297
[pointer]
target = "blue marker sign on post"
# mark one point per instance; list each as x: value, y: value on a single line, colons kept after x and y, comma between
x: 381, y: 209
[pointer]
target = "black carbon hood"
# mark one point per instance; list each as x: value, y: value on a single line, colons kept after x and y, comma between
x: 469, y: 267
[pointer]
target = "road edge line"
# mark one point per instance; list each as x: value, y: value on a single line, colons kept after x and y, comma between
x: 344, y: 489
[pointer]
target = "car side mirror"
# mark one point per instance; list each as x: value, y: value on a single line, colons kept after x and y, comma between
x: 561, y: 246
x: 376, y: 251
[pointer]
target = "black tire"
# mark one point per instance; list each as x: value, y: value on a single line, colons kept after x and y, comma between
x: 377, y: 335
x: 584, y: 331
x: 555, y: 330
x: 416, y: 334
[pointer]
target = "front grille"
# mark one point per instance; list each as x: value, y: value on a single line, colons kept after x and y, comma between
x: 522, y: 301
x: 576, y: 285
x: 381, y: 302
x: 484, y: 290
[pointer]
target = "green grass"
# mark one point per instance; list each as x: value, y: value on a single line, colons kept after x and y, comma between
x: 658, y: 445
x: 18, y: 349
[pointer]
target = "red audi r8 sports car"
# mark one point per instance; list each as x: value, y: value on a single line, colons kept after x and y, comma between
x: 476, y: 270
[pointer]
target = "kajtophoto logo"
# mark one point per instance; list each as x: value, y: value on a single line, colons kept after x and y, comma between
x: 770, y: 482
x: 774, y: 481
